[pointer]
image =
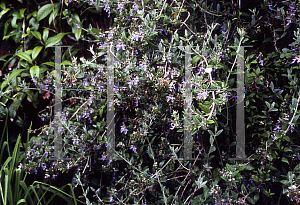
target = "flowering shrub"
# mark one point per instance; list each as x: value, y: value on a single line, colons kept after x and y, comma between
x: 149, y: 39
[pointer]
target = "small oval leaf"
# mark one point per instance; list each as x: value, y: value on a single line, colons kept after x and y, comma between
x: 195, y: 59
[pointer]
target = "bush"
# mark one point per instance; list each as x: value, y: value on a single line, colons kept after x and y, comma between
x: 150, y: 92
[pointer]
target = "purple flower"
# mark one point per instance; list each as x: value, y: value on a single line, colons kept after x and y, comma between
x: 270, y: 7
x: 111, y: 199
x: 160, y: 30
x: 236, y: 97
x: 102, y: 46
x: 100, y: 70
x: 223, y: 28
x: 170, y: 98
x: 202, y: 94
x: 120, y: 8
x: 277, y: 128
x: 201, y: 70
x: 261, y: 62
x: 119, y: 46
x: 108, y: 163
x: 75, y: 141
x: 123, y: 129
x: 291, y: 8
x: 134, y: 37
x: 289, y: 21
x: 227, y: 96
x: 135, y: 7
x: 35, y: 171
x: 133, y: 148
x: 213, y: 71
x: 103, y: 157
x: 292, y: 129
x: 110, y: 35
x: 106, y: 8
x: 172, y: 126
x: 299, y: 157
x: 129, y: 16
x: 296, y: 58
x: 251, y: 180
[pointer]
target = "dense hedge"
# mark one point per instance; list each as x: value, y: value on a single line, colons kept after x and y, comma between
x: 149, y: 81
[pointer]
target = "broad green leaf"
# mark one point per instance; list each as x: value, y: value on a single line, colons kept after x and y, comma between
x: 12, y: 34
x: 3, y: 12
x: 78, y: 33
x: 14, y: 22
x: 285, y: 160
x: 65, y: 62
x: 14, y: 74
x: 22, y: 11
x: 53, y: 14
x: 45, y: 34
x: 101, y: 111
x: 287, y: 149
x: 54, y: 40
x: 36, y: 51
x: 49, y: 63
x: 76, y: 18
x: 20, y: 122
x: 297, y: 169
x: 35, y: 69
x: 24, y: 56
x: 16, y: 104
x: 37, y: 34
x: 35, y: 99
x: 44, y: 11
x: 2, y: 5
x: 11, y: 112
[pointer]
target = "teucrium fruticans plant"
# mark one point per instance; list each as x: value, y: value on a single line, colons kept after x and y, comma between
x: 149, y: 39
